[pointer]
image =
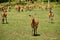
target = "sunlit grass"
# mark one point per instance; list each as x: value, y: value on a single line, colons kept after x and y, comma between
x: 18, y: 27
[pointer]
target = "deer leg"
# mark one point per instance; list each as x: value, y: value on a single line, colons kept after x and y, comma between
x: 51, y: 19
x: 32, y: 31
x: 3, y: 20
x: 22, y: 10
x: 18, y: 10
x: 36, y: 29
x: 6, y: 20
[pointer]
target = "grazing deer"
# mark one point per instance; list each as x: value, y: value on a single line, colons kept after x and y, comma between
x: 17, y: 7
x: 30, y: 6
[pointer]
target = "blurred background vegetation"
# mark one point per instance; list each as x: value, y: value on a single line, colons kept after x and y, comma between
x: 1, y: 1
x: 24, y: 2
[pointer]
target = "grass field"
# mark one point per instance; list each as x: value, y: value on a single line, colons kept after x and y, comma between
x: 18, y: 27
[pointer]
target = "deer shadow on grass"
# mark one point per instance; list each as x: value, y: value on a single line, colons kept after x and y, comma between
x: 36, y: 34
x: 5, y: 23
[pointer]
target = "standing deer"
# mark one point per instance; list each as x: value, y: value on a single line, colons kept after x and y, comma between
x: 4, y: 16
x: 34, y: 25
x: 51, y: 15
x: 1, y: 7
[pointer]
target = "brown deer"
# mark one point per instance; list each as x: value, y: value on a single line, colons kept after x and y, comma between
x: 17, y: 7
x: 34, y: 25
x: 51, y: 15
x: 4, y: 16
x: 1, y: 7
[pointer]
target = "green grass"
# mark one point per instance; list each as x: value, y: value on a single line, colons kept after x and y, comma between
x: 18, y: 27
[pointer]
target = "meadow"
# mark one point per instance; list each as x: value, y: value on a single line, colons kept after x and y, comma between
x: 19, y: 27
